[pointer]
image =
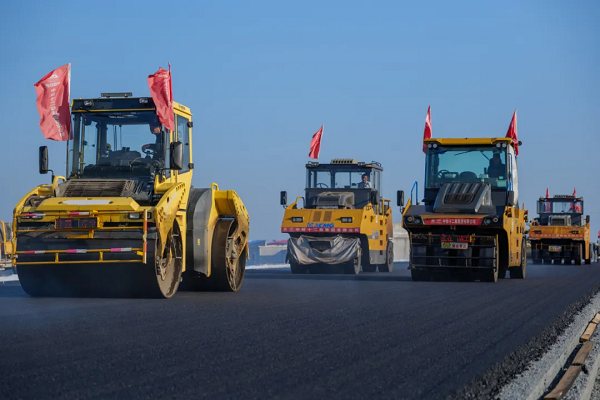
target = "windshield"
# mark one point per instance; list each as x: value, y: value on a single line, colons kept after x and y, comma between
x: 342, y: 179
x: 466, y: 164
x: 560, y: 207
x: 111, y: 142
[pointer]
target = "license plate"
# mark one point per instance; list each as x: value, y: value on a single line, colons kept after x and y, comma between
x: 554, y: 248
x: 76, y: 223
x: 455, y: 246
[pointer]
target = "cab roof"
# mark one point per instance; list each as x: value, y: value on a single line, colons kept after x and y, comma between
x: 468, y: 141
x: 345, y: 163
x: 124, y: 103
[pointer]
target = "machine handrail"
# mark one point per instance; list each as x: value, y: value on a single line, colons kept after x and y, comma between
x: 416, y: 184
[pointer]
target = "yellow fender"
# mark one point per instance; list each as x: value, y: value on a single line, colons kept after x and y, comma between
x: 166, y: 211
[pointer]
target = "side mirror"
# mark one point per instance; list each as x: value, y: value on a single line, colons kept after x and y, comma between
x: 176, y: 156
x: 400, y: 198
x: 587, y: 219
x: 43, y: 160
x: 510, y: 198
x: 283, y: 198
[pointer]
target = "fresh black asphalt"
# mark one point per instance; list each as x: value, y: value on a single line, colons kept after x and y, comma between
x: 287, y: 336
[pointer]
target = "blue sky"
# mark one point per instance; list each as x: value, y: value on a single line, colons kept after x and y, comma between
x: 262, y: 76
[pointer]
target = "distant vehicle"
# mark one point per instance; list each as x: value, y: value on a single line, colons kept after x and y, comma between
x: 470, y: 220
x: 560, y: 232
x: 345, y: 221
x: 6, y: 247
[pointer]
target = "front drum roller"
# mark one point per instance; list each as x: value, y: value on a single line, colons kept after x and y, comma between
x: 159, y: 277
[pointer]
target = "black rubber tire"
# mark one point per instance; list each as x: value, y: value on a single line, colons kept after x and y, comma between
x: 578, y: 256
x: 298, y: 268
x: 419, y: 275
x: 389, y: 259
x: 521, y: 271
x: 352, y: 267
x: 502, y: 273
x: 491, y: 276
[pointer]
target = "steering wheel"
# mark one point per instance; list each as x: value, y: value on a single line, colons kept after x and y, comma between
x: 322, y: 185
x: 442, y: 172
x: 148, y: 149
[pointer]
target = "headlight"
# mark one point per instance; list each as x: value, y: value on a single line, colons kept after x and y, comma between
x: 144, y: 100
x: 134, y: 215
x: 297, y: 219
x: 88, y: 103
x: 435, y: 145
x: 346, y: 220
x: 416, y: 220
x: 429, y: 145
x: 487, y: 221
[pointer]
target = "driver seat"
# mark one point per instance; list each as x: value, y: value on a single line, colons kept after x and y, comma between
x: 468, y: 176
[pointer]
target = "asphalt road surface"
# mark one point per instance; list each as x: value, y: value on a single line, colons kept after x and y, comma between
x: 288, y: 336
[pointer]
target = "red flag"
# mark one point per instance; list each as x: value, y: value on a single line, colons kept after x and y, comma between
x: 574, y: 192
x: 547, y: 193
x: 315, y: 144
x: 53, y: 92
x: 548, y: 205
x: 427, y: 132
x: 598, y: 234
x: 162, y: 93
x: 512, y: 132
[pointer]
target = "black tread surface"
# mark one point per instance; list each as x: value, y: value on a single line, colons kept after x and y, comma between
x: 290, y: 336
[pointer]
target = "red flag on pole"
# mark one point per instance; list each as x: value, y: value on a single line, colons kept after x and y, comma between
x: 427, y: 132
x: 162, y: 93
x: 512, y: 132
x: 315, y: 144
x: 53, y: 92
x: 574, y: 192
x: 548, y: 205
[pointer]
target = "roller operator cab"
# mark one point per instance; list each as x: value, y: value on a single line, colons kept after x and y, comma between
x: 470, y: 221
x: 343, y: 223
x: 126, y: 221
x: 561, y: 232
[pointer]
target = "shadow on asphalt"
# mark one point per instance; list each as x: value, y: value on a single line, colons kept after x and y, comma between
x: 328, y: 277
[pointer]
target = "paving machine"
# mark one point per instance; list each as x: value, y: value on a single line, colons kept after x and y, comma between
x: 470, y: 221
x: 344, y: 221
x: 126, y: 221
x: 560, y: 232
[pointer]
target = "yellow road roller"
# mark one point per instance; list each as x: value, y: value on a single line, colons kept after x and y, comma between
x: 125, y: 220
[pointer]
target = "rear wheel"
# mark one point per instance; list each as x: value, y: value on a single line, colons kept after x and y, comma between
x: 352, y: 267
x: 389, y: 264
x: 520, y: 271
x: 578, y: 255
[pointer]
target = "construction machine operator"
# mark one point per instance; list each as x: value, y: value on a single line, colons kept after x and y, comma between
x: 496, y: 168
x: 365, y: 184
x: 155, y: 149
